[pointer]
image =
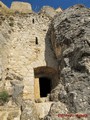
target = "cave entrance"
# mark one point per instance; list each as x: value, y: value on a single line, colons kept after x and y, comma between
x: 45, y: 80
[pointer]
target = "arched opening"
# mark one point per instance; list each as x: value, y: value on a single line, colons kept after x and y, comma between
x: 45, y: 80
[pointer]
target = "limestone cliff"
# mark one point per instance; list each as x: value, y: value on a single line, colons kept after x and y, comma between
x: 70, y: 37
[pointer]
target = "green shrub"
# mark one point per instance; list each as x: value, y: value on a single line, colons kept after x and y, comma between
x: 4, y: 96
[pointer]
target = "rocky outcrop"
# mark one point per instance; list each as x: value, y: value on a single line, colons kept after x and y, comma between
x: 29, y: 111
x: 43, y: 109
x: 56, y: 109
x: 17, y: 92
x: 10, y: 113
x: 58, y: 10
x: 70, y: 37
x: 2, y: 6
x: 48, y: 11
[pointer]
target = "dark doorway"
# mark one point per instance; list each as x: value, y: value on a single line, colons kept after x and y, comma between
x: 45, y: 86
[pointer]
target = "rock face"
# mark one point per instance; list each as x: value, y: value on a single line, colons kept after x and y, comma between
x: 56, y: 109
x: 10, y: 113
x: 29, y: 111
x: 43, y: 109
x: 17, y: 92
x: 48, y: 11
x: 3, y: 6
x: 70, y: 36
x: 59, y: 10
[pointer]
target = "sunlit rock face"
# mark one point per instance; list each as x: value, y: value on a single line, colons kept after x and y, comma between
x: 48, y: 11
x: 70, y: 37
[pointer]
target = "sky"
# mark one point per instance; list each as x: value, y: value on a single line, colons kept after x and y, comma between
x: 37, y: 4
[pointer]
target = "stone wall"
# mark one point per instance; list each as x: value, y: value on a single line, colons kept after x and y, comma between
x: 10, y: 113
x: 21, y: 7
x: 26, y: 47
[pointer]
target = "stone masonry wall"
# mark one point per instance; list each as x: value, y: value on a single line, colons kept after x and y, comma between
x: 21, y: 7
x: 21, y: 52
x: 24, y: 46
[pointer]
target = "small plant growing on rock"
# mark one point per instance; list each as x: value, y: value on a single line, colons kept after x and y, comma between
x: 3, y: 97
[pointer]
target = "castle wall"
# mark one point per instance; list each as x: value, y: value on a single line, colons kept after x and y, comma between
x: 21, y: 7
x: 24, y: 48
x: 28, y: 48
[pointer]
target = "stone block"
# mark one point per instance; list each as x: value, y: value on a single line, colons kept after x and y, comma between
x: 21, y: 7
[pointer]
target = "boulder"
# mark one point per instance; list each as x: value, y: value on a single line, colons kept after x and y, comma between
x: 29, y: 111
x: 56, y: 109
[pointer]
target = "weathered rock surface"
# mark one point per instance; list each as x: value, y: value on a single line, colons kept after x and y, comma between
x: 70, y: 37
x: 43, y: 109
x: 48, y: 11
x: 59, y: 90
x: 2, y: 6
x: 58, y: 10
x: 10, y: 113
x: 29, y: 111
x: 56, y: 109
x: 17, y: 92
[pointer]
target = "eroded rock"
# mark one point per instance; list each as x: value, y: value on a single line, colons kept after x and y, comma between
x: 29, y: 111
x: 17, y: 92
x: 56, y: 109
x: 70, y: 36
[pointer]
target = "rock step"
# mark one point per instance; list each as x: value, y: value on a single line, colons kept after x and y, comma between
x: 43, y: 108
